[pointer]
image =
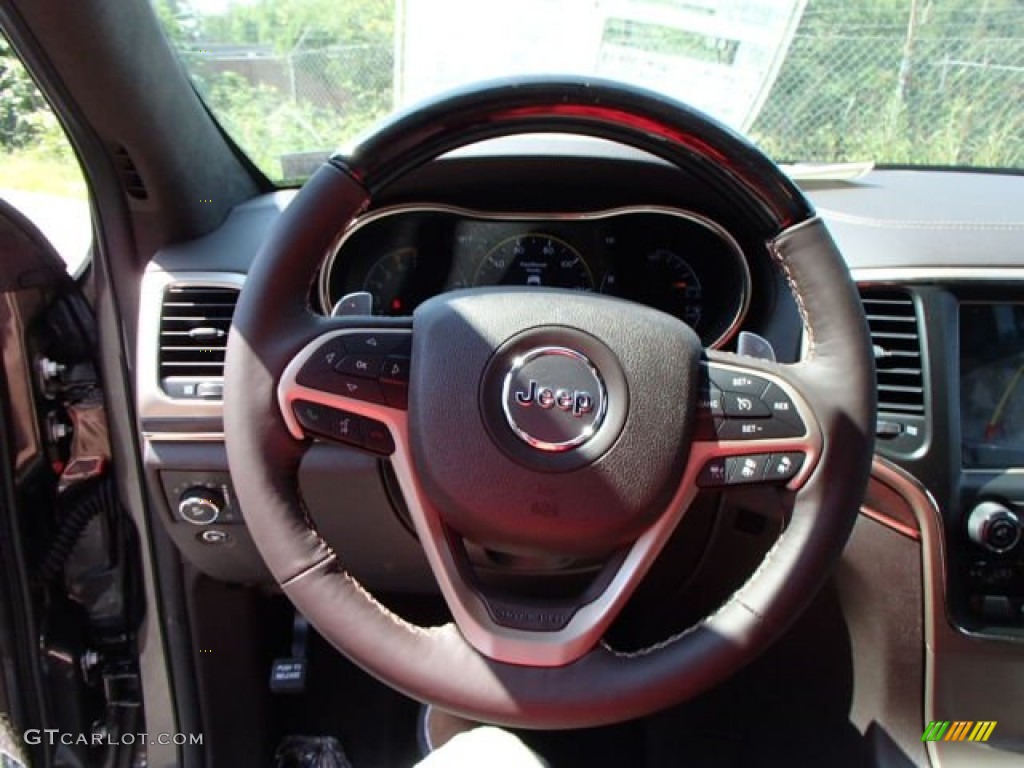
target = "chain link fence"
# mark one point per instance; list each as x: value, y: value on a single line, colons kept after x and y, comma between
x: 936, y: 89
x: 919, y: 83
x: 291, y: 110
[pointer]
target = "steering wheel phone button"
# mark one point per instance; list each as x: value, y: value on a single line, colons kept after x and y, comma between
x: 360, y: 365
x: 377, y: 438
x: 783, y: 466
x: 745, y: 469
x: 714, y: 473
x: 744, y: 406
x: 312, y: 416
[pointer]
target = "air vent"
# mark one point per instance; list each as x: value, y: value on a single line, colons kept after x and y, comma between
x: 131, y: 179
x: 892, y: 319
x: 194, y: 323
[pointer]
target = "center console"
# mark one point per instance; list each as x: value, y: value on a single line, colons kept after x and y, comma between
x: 987, y: 558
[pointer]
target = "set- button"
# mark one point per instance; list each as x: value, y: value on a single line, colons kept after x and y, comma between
x: 344, y: 427
x: 753, y: 468
x: 373, y: 367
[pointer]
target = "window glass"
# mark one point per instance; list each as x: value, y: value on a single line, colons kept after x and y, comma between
x: 39, y: 173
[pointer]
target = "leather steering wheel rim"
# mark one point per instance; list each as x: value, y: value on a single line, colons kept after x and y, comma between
x: 273, y: 323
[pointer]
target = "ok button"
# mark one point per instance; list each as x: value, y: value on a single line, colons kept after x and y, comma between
x: 362, y: 366
x: 745, y: 406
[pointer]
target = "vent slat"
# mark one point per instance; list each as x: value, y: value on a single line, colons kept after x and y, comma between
x: 892, y: 320
x: 194, y: 324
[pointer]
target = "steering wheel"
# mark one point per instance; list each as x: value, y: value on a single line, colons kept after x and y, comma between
x: 550, y: 424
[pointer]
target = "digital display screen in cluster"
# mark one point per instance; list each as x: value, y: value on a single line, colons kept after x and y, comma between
x: 992, y: 385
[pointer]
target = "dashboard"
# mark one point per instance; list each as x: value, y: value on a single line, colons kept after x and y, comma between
x: 939, y: 260
x: 677, y: 261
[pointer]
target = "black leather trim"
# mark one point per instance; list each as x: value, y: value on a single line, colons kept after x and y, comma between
x: 584, y: 106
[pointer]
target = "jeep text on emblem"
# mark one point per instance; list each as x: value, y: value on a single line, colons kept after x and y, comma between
x: 578, y: 402
x: 554, y: 398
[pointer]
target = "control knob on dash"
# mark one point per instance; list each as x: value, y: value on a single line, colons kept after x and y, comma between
x: 201, y: 506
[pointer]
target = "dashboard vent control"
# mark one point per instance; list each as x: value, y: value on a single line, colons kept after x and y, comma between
x: 194, y: 323
x: 895, y: 334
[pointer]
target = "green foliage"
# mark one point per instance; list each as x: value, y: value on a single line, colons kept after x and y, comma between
x: 324, y: 72
x: 270, y: 125
x: 26, y: 121
x: 864, y: 81
x: 285, y: 24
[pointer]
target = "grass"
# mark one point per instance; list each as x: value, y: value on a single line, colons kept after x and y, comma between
x: 52, y: 174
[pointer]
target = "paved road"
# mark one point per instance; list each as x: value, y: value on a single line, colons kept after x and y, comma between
x: 65, y: 222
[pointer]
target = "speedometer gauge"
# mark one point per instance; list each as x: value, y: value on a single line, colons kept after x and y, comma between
x: 667, y: 282
x: 536, y: 259
x: 391, y: 282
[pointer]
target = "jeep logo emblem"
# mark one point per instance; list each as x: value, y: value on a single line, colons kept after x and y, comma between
x: 554, y: 398
x: 577, y: 401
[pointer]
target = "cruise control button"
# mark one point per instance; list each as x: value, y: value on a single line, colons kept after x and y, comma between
x: 783, y: 466
x: 396, y: 369
x: 709, y: 400
x: 377, y: 438
x: 713, y: 474
x: 358, y: 389
x: 740, y: 383
x: 745, y: 469
x: 744, y: 406
x: 361, y: 366
x: 779, y: 403
x: 757, y: 429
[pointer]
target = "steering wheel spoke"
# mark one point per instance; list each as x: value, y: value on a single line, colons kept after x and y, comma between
x: 350, y: 386
x: 754, y: 426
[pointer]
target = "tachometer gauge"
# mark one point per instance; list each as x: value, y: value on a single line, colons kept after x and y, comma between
x: 537, y: 259
x: 666, y: 281
x: 391, y: 282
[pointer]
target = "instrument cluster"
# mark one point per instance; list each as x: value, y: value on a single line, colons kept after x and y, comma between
x: 673, y: 260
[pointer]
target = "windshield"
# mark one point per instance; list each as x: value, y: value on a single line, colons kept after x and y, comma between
x: 899, y: 82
